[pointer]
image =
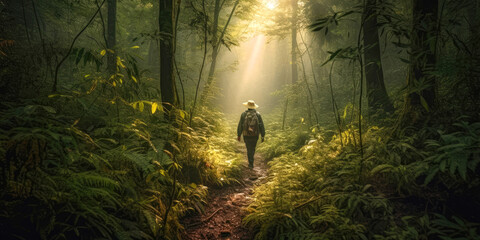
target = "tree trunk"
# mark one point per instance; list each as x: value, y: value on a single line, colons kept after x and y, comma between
x: 167, y: 77
x: 284, y: 117
x: 215, y: 40
x: 111, y: 36
x: 310, y: 101
x: 421, y: 86
x: 376, y: 92
x: 423, y: 53
x: 294, y: 41
x: 473, y: 79
x: 152, y: 57
x: 216, y: 44
x: 205, y: 42
x: 317, y: 86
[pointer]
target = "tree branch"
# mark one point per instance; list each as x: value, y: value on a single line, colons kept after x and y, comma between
x: 54, y: 88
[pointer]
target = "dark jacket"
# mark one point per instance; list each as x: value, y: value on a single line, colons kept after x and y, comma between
x: 261, y: 127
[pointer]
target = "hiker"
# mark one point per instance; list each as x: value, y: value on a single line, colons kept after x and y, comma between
x: 251, y: 126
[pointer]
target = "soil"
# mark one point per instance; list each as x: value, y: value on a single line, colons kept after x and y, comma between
x: 223, y: 215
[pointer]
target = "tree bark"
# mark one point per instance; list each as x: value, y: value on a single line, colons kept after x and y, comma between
x: 111, y: 36
x: 284, y: 117
x: 215, y: 48
x: 216, y: 44
x: 167, y: 77
x: 474, y: 46
x: 294, y: 41
x: 423, y: 45
x: 420, y: 99
x: 376, y: 92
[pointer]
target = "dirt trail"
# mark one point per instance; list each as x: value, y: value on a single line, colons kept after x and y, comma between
x: 226, y: 206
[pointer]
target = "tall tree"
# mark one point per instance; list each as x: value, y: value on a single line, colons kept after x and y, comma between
x: 293, y: 62
x: 166, y: 20
x: 217, y: 40
x: 376, y: 92
x: 294, y: 40
x: 111, y: 35
x: 423, y: 57
x: 473, y: 21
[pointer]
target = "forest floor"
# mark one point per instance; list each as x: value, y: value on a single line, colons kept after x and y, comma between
x: 225, y: 210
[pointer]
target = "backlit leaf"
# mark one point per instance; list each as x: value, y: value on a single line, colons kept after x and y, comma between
x: 154, y: 107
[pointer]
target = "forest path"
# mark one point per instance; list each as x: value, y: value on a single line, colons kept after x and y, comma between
x: 226, y: 206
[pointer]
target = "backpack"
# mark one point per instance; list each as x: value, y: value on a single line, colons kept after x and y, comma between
x: 250, y: 124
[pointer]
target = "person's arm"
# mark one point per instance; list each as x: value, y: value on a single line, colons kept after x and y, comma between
x: 240, y: 127
x: 261, y: 126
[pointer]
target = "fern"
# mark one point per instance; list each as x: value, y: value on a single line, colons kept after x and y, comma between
x: 455, y: 154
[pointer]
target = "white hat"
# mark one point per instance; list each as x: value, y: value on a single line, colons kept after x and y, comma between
x: 250, y: 104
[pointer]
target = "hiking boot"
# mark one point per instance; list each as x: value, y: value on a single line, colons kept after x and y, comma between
x: 250, y: 166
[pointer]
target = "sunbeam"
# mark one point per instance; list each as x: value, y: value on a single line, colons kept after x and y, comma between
x: 271, y: 4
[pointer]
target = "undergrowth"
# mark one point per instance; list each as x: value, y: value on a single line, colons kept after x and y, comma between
x: 103, y: 162
x: 420, y: 184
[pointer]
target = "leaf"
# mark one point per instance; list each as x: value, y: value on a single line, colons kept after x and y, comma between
x: 49, y: 109
x: 462, y: 168
x: 103, y: 52
x: 86, y: 58
x: 120, y: 63
x: 453, y: 166
x: 135, y: 47
x: 141, y: 106
x: 458, y: 147
x: 443, y: 165
x: 154, y: 107
x: 424, y: 103
x: 430, y: 176
x: 346, y: 14
x: 381, y: 168
x: 134, y: 79
x: 333, y: 55
x: 182, y: 114
x: 366, y: 187
x: 160, y: 107
x: 79, y: 55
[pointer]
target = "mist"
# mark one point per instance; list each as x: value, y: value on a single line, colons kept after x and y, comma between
x: 119, y: 119
x: 255, y: 76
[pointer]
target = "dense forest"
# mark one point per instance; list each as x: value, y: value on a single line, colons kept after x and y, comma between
x: 118, y: 119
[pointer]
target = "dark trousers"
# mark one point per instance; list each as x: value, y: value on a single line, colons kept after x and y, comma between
x: 251, y: 143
